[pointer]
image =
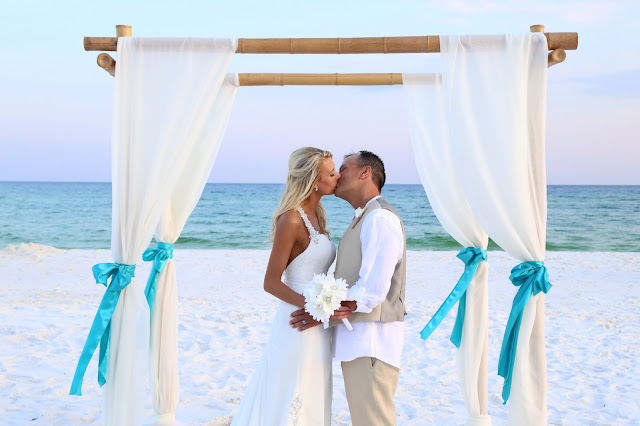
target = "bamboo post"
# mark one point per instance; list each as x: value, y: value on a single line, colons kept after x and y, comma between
x: 123, y: 31
x: 414, y: 44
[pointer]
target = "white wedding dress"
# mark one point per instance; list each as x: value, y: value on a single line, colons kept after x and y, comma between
x: 292, y: 384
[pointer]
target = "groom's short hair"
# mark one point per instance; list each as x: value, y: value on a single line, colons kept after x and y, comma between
x: 368, y: 158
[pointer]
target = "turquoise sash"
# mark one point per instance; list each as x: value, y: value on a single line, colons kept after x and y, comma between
x: 100, y: 332
x: 471, y: 256
x: 531, y: 277
x: 160, y: 255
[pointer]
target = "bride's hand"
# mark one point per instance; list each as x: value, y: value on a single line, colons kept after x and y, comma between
x: 301, y: 320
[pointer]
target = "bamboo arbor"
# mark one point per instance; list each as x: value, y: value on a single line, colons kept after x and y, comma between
x: 558, y: 44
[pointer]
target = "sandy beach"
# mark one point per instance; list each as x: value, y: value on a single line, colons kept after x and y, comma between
x: 49, y: 300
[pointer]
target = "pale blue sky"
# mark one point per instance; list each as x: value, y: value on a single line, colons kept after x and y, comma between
x: 56, y: 103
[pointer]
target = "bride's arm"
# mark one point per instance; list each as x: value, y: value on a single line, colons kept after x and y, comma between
x: 288, y: 230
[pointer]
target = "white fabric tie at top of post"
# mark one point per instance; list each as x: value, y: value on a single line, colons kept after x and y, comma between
x: 432, y: 150
x: 156, y: 98
x: 496, y: 95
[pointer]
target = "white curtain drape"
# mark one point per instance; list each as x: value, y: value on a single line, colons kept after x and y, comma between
x: 432, y: 149
x: 165, y: 91
x: 202, y: 148
x: 496, y: 95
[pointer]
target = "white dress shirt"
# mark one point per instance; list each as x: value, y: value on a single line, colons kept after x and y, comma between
x: 382, y: 247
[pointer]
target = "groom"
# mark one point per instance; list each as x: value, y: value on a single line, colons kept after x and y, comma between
x: 372, y: 259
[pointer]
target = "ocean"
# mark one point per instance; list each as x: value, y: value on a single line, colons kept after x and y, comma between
x: 238, y: 216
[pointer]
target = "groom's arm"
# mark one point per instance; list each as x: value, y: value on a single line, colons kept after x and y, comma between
x: 382, y: 247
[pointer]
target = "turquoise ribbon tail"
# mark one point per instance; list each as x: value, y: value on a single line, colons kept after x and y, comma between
x: 100, y: 332
x: 532, y: 278
x: 159, y: 255
x: 103, y: 360
x: 456, y: 333
x: 471, y: 256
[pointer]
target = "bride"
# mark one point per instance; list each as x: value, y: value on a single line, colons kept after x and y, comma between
x: 292, y: 385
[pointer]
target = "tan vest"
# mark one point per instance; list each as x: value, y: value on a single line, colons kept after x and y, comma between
x: 349, y: 262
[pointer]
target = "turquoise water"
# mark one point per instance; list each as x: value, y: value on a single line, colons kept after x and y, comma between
x: 238, y: 216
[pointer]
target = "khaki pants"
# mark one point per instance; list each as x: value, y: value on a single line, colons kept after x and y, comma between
x: 370, y: 385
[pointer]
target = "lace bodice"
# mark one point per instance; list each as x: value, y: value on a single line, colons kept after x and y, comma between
x: 316, y: 259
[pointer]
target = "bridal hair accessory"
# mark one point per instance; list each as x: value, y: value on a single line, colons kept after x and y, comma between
x: 323, y: 295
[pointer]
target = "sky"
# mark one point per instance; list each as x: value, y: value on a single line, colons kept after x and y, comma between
x: 56, y: 103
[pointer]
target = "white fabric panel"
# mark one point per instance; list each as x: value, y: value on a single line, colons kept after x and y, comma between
x: 473, y: 355
x: 433, y: 156
x: 157, y: 99
x: 163, y: 348
x: 202, y: 147
x: 496, y: 94
x: 429, y: 129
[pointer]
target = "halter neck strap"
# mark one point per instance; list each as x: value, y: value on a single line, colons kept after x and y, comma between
x: 313, y: 233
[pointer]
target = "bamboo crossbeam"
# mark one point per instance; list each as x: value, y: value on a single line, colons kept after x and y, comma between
x: 291, y: 79
x: 336, y: 79
x: 556, y: 56
x: 340, y: 45
x: 106, y: 62
x: 413, y: 44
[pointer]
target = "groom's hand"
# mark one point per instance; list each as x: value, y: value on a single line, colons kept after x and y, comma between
x: 341, y: 313
x: 301, y: 320
x: 352, y: 305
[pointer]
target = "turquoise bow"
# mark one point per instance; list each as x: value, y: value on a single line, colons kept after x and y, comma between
x: 100, y: 332
x: 160, y: 255
x: 531, y: 277
x: 471, y: 256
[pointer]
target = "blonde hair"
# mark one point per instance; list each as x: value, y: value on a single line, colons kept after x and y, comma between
x: 302, y: 177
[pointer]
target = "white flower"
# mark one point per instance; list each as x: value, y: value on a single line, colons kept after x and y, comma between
x: 315, y: 286
x: 316, y: 310
x: 323, y: 295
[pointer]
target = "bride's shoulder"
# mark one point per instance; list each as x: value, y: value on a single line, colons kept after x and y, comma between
x: 289, y: 226
x: 290, y: 220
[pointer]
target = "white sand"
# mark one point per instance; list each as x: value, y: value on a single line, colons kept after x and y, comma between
x: 49, y: 300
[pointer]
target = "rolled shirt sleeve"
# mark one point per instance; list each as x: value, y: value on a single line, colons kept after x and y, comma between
x: 382, y: 247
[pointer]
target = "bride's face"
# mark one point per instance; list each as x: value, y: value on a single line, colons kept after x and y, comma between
x: 328, y: 177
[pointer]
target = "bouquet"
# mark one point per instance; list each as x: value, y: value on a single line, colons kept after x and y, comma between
x: 323, y: 295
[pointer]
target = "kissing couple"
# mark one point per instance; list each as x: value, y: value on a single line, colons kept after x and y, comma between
x: 293, y: 382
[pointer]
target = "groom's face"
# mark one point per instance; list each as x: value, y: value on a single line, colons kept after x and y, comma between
x: 348, y: 182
